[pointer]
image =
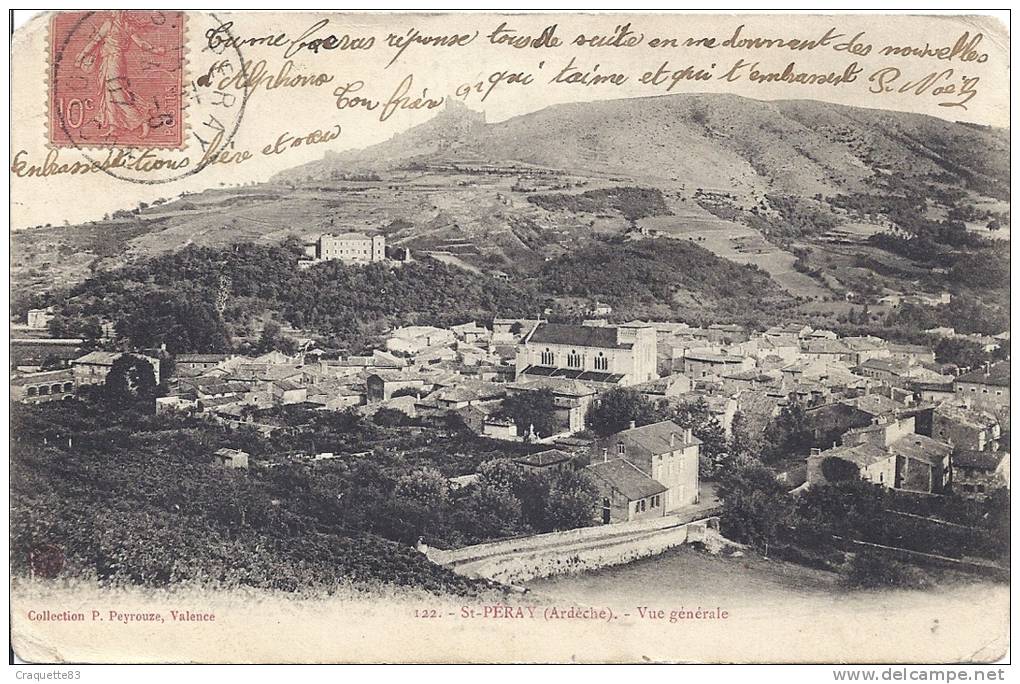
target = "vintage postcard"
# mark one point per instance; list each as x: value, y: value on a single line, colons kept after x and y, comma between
x: 509, y: 337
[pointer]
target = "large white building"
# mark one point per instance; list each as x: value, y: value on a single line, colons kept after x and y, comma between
x: 350, y: 248
x: 595, y: 355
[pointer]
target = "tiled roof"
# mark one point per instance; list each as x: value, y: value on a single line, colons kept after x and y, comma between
x: 985, y: 460
x: 862, y: 455
x: 921, y: 448
x: 998, y: 375
x: 875, y: 404
x: 201, y: 358
x: 864, y: 343
x: 966, y: 416
x: 475, y: 390
x: 561, y: 386
x: 100, y: 358
x: 910, y: 349
x: 624, y: 477
x: 573, y: 374
x: 287, y: 385
x: 753, y: 374
x: 59, y: 375
x: 214, y: 402
x: 543, y: 458
x: 713, y: 357
x: 656, y: 436
x: 350, y: 235
x: 577, y: 335
x: 826, y: 346
x: 396, y: 376
x: 217, y: 387
x: 883, y: 364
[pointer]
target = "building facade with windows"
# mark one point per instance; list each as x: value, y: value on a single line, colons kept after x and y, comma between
x: 350, y: 248
x: 665, y: 452
x: 600, y: 356
x: 625, y: 492
x: 93, y: 368
x: 985, y: 388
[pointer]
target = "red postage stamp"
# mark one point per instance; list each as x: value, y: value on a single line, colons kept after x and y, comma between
x: 116, y: 79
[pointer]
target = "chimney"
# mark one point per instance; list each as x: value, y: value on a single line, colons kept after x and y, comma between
x: 988, y: 368
x: 672, y: 439
x: 688, y: 435
x: 633, y: 424
x: 605, y: 454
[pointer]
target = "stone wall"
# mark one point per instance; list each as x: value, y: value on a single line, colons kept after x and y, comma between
x: 520, y: 560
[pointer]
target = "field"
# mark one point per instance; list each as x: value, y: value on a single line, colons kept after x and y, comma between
x: 960, y: 621
x: 776, y: 612
x: 736, y: 242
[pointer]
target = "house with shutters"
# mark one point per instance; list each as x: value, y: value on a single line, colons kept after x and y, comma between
x: 663, y: 451
x: 625, y: 492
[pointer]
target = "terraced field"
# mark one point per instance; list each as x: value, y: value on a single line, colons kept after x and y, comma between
x: 735, y: 242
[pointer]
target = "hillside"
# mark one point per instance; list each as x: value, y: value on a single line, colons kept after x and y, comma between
x: 708, y: 141
x: 168, y: 299
x: 808, y: 192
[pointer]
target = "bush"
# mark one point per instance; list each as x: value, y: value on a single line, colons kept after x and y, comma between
x: 873, y: 570
x: 811, y: 559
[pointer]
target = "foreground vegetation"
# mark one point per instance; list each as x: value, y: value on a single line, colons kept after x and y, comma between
x: 134, y: 498
x: 818, y: 527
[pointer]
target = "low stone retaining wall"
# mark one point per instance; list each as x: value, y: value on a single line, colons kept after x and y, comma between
x: 986, y: 568
x: 519, y: 560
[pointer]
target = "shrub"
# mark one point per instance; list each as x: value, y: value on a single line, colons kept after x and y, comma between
x: 873, y: 570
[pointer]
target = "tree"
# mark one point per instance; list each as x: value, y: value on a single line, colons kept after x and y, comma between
x: 849, y: 507
x: 501, y: 474
x: 572, y: 499
x: 51, y: 362
x: 788, y: 434
x: 130, y: 381
x: 756, y: 506
x: 839, y: 470
x: 426, y: 486
x: 418, y: 505
x: 273, y: 339
x: 182, y: 324
x: 960, y: 352
x: 389, y: 417
x: 872, y: 570
x: 489, y: 512
x: 532, y: 409
x: 744, y: 439
x: 616, y: 409
x: 714, y: 447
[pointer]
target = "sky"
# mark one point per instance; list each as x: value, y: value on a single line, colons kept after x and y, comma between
x: 441, y: 70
